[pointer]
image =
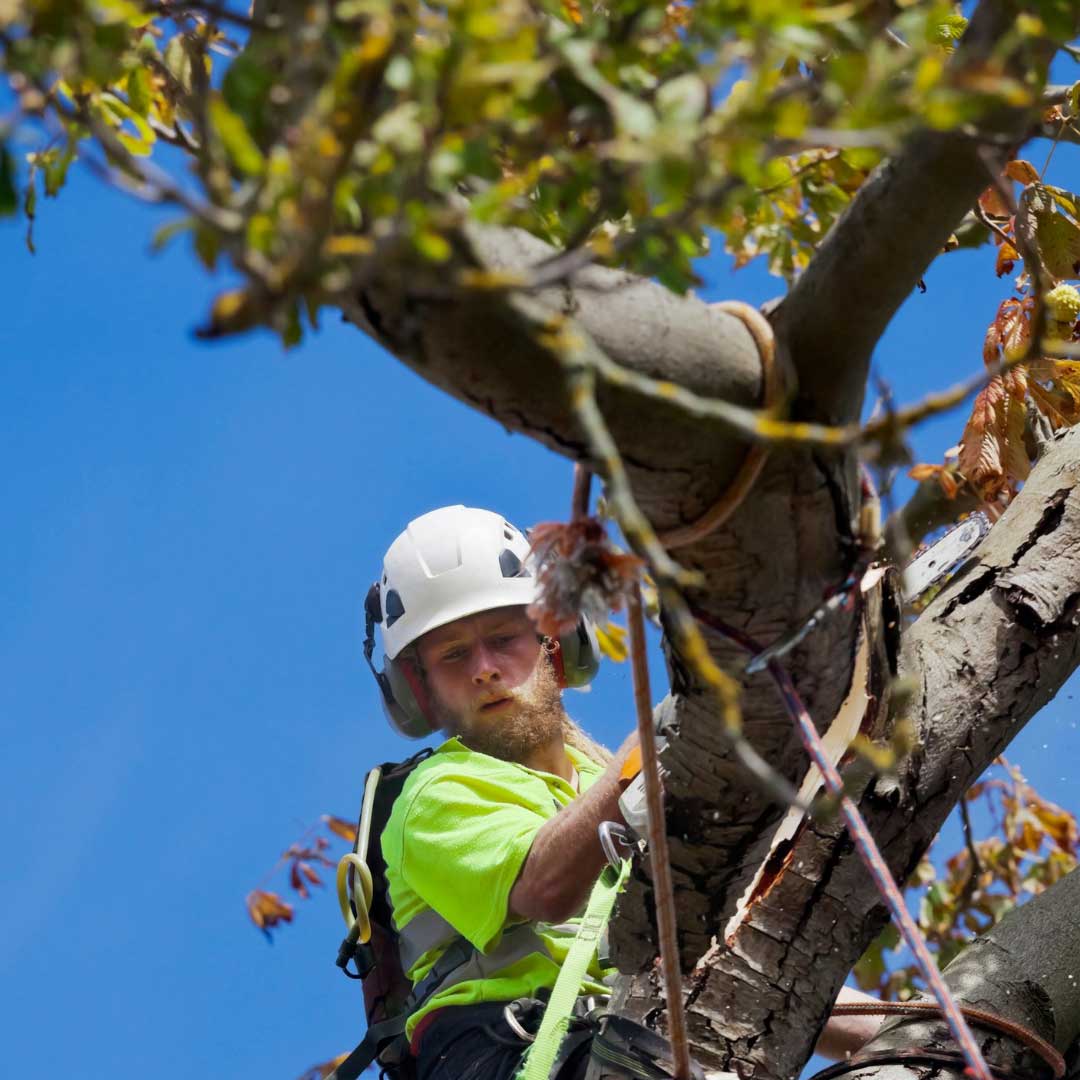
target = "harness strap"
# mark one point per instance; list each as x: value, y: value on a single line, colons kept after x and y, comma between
x: 377, y: 1036
x: 541, y: 1055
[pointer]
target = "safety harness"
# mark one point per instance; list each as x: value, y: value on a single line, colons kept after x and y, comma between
x: 381, y: 953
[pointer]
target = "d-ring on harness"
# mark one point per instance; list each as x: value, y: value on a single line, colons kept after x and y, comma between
x: 773, y: 392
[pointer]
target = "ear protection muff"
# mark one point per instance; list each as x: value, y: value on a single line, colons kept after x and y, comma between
x: 404, y: 699
x: 580, y: 653
x: 575, y: 656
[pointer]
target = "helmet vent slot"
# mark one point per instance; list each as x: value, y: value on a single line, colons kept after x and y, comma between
x: 511, y: 565
x: 394, y: 608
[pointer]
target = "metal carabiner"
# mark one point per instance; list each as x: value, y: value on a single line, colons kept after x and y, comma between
x: 612, y: 833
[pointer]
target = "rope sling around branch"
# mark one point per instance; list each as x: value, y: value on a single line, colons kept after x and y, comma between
x: 773, y: 390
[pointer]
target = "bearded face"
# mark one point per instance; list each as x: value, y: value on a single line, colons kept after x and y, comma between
x: 492, y: 684
x: 530, y: 718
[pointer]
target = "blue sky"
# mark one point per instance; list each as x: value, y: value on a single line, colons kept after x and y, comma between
x: 188, y: 533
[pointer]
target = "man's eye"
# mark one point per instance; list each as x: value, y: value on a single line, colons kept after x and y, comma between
x: 452, y: 656
x: 501, y: 641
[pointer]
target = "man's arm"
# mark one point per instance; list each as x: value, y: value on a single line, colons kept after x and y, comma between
x: 565, y: 858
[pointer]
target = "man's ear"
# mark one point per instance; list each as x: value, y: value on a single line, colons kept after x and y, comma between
x: 555, y: 657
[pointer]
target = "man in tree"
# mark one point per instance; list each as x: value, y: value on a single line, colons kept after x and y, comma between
x: 494, y: 838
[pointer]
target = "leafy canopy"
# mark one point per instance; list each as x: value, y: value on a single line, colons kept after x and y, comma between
x: 313, y: 145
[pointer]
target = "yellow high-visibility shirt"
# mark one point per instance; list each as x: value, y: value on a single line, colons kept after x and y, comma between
x: 456, y: 840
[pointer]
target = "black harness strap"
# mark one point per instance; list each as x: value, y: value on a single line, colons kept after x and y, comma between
x: 380, y: 1037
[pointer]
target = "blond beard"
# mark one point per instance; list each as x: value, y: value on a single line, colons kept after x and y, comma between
x: 536, y: 719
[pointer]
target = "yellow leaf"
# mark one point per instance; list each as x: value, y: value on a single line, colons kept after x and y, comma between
x: 612, y: 641
x: 242, y: 149
x: 348, y: 245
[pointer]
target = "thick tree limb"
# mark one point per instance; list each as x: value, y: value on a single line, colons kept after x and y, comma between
x: 990, y: 651
x: 476, y: 350
x: 881, y: 246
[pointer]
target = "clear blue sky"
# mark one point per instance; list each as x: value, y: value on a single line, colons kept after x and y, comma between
x: 188, y: 532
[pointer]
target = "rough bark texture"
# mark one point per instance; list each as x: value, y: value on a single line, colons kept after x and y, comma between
x: 988, y: 654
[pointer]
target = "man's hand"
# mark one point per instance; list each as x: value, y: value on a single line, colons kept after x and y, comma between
x: 566, y: 858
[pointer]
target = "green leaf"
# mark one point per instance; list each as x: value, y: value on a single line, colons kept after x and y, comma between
x: 139, y: 91
x: 235, y: 138
x: 246, y: 88
x: 54, y: 165
x: 1058, y: 240
x: 30, y: 210
x: 164, y: 233
x: 207, y: 245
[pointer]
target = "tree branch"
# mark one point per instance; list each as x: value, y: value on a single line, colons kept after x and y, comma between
x: 1023, y: 970
x: 991, y: 651
x: 881, y: 246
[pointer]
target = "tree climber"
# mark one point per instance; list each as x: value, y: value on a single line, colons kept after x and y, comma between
x: 492, y: 848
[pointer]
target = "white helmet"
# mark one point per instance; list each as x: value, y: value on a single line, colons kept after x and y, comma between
x: 447, y: 564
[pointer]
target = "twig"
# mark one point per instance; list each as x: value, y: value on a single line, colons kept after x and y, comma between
x: 762, y: 426
x: 211, y: 11
x: 973, y: 852
x: 659, y: 856
x: 998, y: 231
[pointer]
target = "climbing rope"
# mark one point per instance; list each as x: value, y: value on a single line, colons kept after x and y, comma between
x: 773, y: 391
x: 659, y: 857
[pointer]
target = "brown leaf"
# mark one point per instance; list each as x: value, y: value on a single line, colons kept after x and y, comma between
x: 323, y: 1069
x: 309, y: 872
x: 1056, y: 407
x: 992, y: 204
x: 579, y: 570
x: 992, y: 344
x: 980, y: 446
x: 266, y: 910
x: 1022, y: 171
x: 1015, y: 332
x: 296, y: 881
x: 345, y: 829
x: 1007, y: 257
x: 1017, y: 463
x: 949, y: 483
x: 924, y: 472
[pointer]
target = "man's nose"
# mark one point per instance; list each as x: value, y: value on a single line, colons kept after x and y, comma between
x: 485, y: 669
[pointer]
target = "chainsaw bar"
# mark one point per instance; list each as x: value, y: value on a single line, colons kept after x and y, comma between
x: 931, y: 565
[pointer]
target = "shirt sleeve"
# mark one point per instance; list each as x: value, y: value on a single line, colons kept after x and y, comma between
x: 464, y: 841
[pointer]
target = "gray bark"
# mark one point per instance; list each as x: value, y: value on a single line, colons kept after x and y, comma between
x: 990, y: 652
